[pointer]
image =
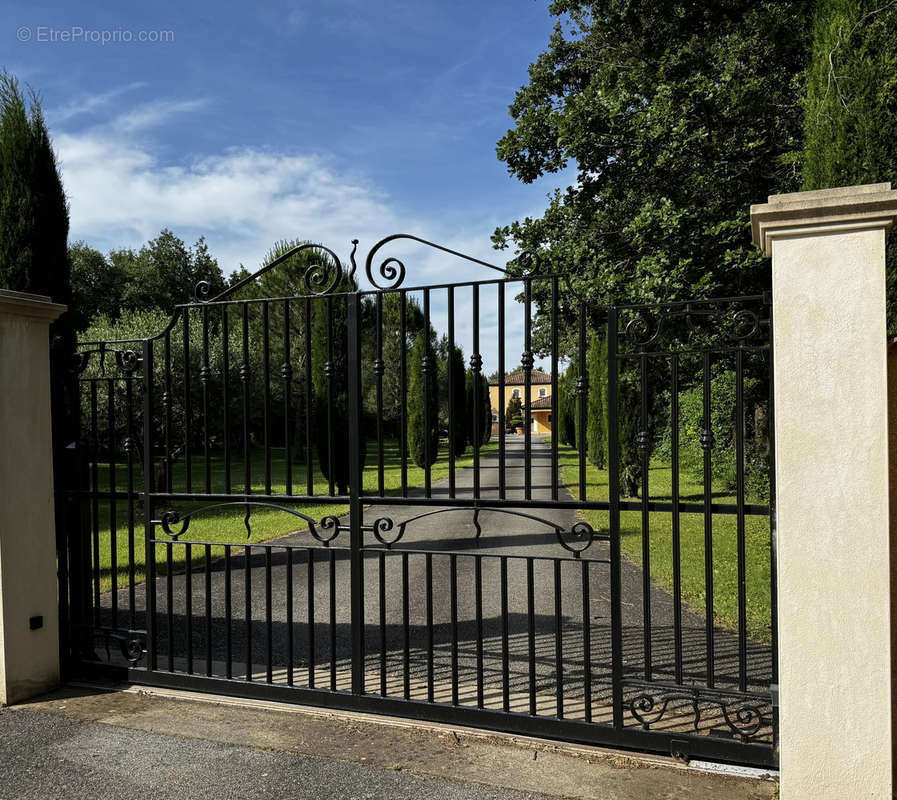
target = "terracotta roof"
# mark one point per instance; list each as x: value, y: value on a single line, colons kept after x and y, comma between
x: 518, y: 378
x: 540, y: 404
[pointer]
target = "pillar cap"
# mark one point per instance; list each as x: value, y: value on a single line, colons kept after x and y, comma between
x: 873, y: 205
x: 33, y: 306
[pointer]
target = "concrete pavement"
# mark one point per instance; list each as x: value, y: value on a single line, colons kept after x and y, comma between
x: 82, y: 742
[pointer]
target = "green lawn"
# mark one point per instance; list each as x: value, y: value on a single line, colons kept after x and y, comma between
x: 725, y: 562
x: 226, y: 525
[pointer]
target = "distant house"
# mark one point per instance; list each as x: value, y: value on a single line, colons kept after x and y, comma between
x: 539, y: 399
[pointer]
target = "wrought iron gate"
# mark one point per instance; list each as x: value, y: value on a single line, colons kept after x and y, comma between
x: 268, y: 498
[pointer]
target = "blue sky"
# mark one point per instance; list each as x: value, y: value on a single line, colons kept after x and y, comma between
x: 256, y: 122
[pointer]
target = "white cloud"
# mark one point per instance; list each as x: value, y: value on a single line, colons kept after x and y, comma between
x: 244, y: 199
x: 88, y: 104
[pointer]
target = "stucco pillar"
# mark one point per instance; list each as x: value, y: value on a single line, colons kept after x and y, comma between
x: 832, y: 524
x: 29, y: 625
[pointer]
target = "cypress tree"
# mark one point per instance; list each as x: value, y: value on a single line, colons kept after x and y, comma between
x: 423, y: 439
x: 460, y: 410
x: 596, y: 421
x: 484, y: 420
x: 330, y: 386
x: 567, y: 404
x: 850, y: 107
x: 34, y: 216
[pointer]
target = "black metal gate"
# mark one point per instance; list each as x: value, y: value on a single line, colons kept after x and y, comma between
x: 310, y: 498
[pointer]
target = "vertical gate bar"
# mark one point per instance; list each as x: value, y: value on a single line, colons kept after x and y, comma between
x: 228, y: 616
x: 286, y: 372
x: 707, y: 443
x: 646, y: 520
x: 382, y: 588
x: 453, y: 561
x: 329, y: 369
x: 558, y: 640
x: 167, y: 399
x: 555, y: 430
x: 208, y: 599
x: 613, y: 488
x: 528, y: 387
x: 188, y: 408
x: 477, y: 389
x: 586, y: 641
x: 290, y: 633
x: 225, y: 393
x: 429, y: 598
x: 502, y: 404
x: 169, y: 599
x: 406, y: 630
x: 269, y: 622
x: 739, y: 501
x: 450, y: 375
x: 531, y: 633
x: 113, y: 509
x: 266, y: 378
x: 204, y: 377
x: 478, y: 601
x: 403, y: 388
x: 244, y: 379
x: 331, y: 561
x: 247, y: 586
x: 310, y: 618
x: 677, y: 546
x: 130, y: 449
x: 94, y: 461
x: 188, y: 605
x: 773, y: 564
x: 309, y: 393
x: 505, y: 633
x: 582, y: 393
x: 113, y: 505
x: 148, y: 467
x: 378, y: 370
x: 428, y: 378
x: 356, y: 510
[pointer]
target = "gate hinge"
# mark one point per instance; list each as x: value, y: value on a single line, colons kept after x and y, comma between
x: 680, y: 750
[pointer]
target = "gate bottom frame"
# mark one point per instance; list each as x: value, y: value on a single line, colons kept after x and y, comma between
x: 679, y: 745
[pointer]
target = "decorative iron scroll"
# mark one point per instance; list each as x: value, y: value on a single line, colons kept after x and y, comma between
x: 724, y: 320
x: 392, y: 270
x: 745, y: 715
x: 322, y: 278
x: 132, y: 644
x: 576, y: 540
x: 324, y: 531
x: 128, y: 361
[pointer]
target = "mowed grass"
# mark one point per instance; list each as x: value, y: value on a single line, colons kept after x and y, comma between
x: 114, y: 550
x: 691, y: 528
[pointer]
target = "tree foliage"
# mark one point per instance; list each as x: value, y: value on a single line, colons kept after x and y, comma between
x: 423, y: 407
x: 850, y: 127
x: 479, y: 414
x: 675, y: 116
x: 596, y: 424
x: 456, y: 423
x: 34, y: 214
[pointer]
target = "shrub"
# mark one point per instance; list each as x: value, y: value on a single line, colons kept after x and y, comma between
x: 423, y: 408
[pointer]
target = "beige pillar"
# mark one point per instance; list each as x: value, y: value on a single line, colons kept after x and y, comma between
x: 828, y: 285
x: 29, y: 624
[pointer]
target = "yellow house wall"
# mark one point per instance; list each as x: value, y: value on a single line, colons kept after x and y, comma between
x: 540, y: 417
